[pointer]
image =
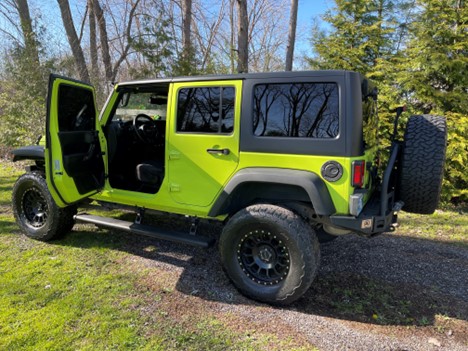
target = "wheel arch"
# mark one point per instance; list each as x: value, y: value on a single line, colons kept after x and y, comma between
x: 273, y: 184
x: 31, y: 152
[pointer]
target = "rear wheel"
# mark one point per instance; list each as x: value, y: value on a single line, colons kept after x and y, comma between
x: 422, y: 163
x: 35, y: 210
x: 270, y: 253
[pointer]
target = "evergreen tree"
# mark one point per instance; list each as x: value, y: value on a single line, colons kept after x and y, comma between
x: 435, y: 66
x: 434, y: 74
x: 360, y: 37
x: 417, y: 53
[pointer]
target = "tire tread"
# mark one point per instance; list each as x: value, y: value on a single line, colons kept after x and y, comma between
x: 422, y: 163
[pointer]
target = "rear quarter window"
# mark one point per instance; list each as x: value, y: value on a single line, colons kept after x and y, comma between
x: 298, y: 110
x: 370, y: 122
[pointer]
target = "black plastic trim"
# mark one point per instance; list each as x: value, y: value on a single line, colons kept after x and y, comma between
x: 348, y: 142
x: 220, y: 77
x: 314, y: 187
x: 387, y: 195
x: 32, y: 152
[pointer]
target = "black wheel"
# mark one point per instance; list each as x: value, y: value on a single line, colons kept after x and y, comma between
x: 270, y: 253
x: 422, y: 163
x: 35, y: 210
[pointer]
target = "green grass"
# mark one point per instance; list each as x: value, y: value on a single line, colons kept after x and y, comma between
x: 76, y: 294
x: 447, y: 225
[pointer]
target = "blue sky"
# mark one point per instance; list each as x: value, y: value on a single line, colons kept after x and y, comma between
x: 308, y: 10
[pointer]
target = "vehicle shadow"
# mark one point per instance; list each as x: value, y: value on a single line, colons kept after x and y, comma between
x: 387, y: 280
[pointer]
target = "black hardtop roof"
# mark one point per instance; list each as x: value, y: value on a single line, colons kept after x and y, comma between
x: 243, y: 76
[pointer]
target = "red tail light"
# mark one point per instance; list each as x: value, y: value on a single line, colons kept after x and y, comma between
x: 358, y: 169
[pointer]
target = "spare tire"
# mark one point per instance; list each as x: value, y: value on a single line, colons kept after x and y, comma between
x: 421, y: 165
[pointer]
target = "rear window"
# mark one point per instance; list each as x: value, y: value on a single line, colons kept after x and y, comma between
x: 298, y: 110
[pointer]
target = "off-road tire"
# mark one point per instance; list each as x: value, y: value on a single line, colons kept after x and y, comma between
x: 422, y: 163
x: 36, y: 212
x: 289, y: 238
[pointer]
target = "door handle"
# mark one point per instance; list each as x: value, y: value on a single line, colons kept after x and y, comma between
x: 218, y: 151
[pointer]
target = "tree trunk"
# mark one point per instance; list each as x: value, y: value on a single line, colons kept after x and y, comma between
x: 30, y: 42
x: 291, y: 35
x: 242, y: 41
x: 73, y: 40
x: 186, y: 29
x: 232, y: 36
x: 93, y: 41
x: 106, y: 59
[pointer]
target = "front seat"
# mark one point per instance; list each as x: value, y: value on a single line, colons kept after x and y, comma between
x: 151, y: 175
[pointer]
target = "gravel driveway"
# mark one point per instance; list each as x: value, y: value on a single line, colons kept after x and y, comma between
x: 387, y: 293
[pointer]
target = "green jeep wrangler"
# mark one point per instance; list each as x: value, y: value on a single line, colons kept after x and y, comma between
x: 284, y: 160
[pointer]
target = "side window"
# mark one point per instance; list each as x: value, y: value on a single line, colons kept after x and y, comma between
x: 301, y: 110
x: 76, y: 110
x: 206, y: 110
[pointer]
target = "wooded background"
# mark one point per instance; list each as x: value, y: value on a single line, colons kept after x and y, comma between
x: 415, y: 50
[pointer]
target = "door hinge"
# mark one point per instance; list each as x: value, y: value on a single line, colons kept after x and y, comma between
x: 174, y: 155
x: 174, y: 188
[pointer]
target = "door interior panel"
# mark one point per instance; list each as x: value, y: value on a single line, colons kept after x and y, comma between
x: 82, y: 159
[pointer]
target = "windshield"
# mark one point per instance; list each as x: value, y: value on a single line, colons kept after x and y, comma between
x: 131, y: 104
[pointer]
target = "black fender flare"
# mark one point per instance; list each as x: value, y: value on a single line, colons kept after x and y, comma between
x: 310, y: 187
x: 32, y: 152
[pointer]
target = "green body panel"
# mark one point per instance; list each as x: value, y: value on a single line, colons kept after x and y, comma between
x: 339, y: 190
x: 187, y: 187
x: 193, y: 177
x: 60, y: 184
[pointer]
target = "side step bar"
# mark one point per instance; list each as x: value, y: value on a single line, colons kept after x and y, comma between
x: 146, y: 230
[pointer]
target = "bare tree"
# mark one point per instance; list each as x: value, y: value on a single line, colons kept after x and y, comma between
x: 93, y: 50
x: 104, y: 39
x: 242, y: 41
x: 291, y: 35
x: 73, y: 40
x: 206, y: 30
x: 186, y: 29
x: 232, y: 39
x: 30, y: 41
x: 123, y: 22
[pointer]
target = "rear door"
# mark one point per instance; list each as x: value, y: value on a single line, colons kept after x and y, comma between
x: 203, y: 140
x: 74, y: 159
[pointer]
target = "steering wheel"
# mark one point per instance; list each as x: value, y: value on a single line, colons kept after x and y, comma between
x: 145, y: 129
x: 79, y: 117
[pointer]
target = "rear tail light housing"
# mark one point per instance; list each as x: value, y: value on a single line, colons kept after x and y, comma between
x: 357, y: 173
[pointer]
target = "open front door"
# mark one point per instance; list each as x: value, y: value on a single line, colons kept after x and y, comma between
x: 74, y: 161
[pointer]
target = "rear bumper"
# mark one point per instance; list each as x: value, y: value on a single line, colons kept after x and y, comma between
x: 370, y: 222
x: 380, y: 214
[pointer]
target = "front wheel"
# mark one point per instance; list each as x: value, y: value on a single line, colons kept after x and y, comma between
x: 270, y: 253
x: 35, y: 210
